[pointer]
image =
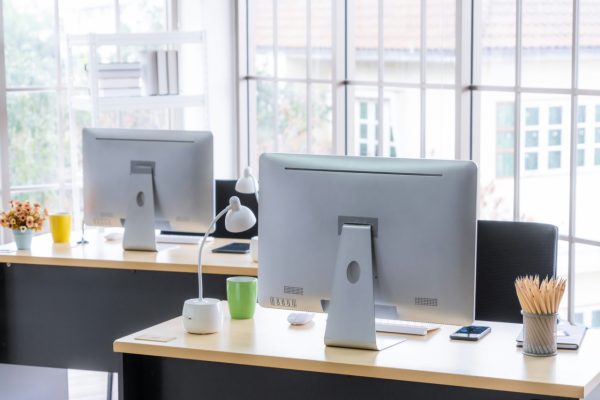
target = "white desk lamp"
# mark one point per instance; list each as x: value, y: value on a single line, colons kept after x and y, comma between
x: 204, y: 315
x: 247, y: 183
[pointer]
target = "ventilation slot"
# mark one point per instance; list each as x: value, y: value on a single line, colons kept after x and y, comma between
x: 426, y: 301
x: 293, y: 290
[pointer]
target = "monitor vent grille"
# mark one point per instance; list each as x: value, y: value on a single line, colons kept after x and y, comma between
x: 293, y: 290
x: 426, y: 301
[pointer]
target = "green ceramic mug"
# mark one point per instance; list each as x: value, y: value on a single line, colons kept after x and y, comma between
x: 241, y: 296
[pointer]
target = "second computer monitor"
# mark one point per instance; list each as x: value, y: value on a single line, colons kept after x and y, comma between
x: 155, y: 179
x: 421, y: 219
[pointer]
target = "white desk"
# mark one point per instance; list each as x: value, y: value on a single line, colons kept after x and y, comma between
x: 494, y: 364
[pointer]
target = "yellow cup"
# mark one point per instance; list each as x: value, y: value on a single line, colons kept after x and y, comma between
x: 60, y: 226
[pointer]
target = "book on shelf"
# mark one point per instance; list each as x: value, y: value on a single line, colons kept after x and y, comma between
x: 149, y: 73
x: 172, y: 72
x: 161, y: 68
x: 120, y: 92
x: 114, y: 83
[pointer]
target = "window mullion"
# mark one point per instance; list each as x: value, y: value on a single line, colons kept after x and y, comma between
x: 423, y: 80
x: 379, y: 147
x: 276, y: 75
x: 308, y: 75
x: 517, y: 132
x: 573, y: 163
x: 4, y: 167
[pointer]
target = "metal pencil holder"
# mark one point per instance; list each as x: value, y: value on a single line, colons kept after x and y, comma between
x: 539, y: 334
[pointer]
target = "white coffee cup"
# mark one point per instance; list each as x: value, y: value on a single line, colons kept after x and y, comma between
x: 254, y: 248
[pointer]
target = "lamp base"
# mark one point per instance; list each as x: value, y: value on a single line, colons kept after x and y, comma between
x: 202, y: 316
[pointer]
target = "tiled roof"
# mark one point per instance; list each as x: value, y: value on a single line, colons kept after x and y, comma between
x: 546, y: 24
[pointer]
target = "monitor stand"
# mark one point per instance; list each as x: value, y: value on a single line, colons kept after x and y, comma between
x: 139, y: 221
x: 351, y: 311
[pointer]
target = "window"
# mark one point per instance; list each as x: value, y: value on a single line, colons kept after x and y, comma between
x: 581, y: 136
x: 581, y: 114
x: 411, y: 59
x: 554, y: 159
x: 531, y: 161
x: 531, y: 139
x: 532, y: 116
x: 555, y: 115
x: 580, y: 157
x: 554, y: 137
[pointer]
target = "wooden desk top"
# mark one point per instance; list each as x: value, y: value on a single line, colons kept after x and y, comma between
x: 100, y: 253
x: 494, y: 363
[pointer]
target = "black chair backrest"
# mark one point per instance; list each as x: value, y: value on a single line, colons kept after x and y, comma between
x: 224, y: 189
x: 506, y: 250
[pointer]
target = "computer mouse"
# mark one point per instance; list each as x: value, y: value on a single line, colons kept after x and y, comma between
x: 300, y: 318
x: 111, y: 236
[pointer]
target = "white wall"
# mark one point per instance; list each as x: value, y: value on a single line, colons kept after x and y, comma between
x: 217, y: 17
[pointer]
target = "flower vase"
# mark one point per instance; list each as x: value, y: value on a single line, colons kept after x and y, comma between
x: 23, y: 239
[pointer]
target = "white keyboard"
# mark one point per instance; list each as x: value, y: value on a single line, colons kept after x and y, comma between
x: 183, y: 239
x: 406, y: 327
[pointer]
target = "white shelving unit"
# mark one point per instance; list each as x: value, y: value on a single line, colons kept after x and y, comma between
x: 95, y: 104
x: 84, y: 53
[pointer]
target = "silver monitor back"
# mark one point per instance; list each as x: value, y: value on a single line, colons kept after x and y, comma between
x: 183, y: 176
x: 423, y: 238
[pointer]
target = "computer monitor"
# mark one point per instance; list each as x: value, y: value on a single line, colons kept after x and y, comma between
x: 360, y: 237
x: 148, y: 179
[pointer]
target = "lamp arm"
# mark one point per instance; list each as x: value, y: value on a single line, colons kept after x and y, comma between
x: 212, y: 223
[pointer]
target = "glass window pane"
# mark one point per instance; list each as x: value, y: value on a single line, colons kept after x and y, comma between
x: 262, y: 36
x: 597, y: 135
x: 581, y: 114
x: 30, y: 43
x: 532, y: 116
x: 589, y: 51
x: 321, y: 115
x: 439, y: 129
x: 79, y: 17
x: 364, y: 33
x: 597, y: 157
x: 54, y: 200
x: 554, y: 137
x: 496, y: 163
x: 551, y: 180
x: 581, y: 135
x: 505, y: 115
x: 321, y: 33
x: 401, y: 40
x: 554, y: 159
x: 555, y: 115
x: 33, y: 138
x: 587, y: 219
x: 531, y: 138
x: 143, y: 15
x: 401, y: 122
x: 531, y: 161
x: 365, y: 113
x: 497, y: 36
x: 291, y: 118
x: 440, y: 30
x: 265, y: 119
x: 562, y: 269
x: 587, y: 279
x: 580, y: 157
x: 291, y: 39
x: 547, y: 37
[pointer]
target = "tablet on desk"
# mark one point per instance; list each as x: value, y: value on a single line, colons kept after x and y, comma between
x: 235, y: 248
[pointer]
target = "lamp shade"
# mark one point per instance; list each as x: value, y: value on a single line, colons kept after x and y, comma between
x: 239, y: 218
x: 246, y: 183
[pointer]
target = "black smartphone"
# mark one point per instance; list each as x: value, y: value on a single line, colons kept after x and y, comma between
x: 235, y: 248
x: 471, y: 333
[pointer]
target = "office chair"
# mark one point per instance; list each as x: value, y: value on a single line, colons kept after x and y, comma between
x: 224, y: 189
x: 506, y: 250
